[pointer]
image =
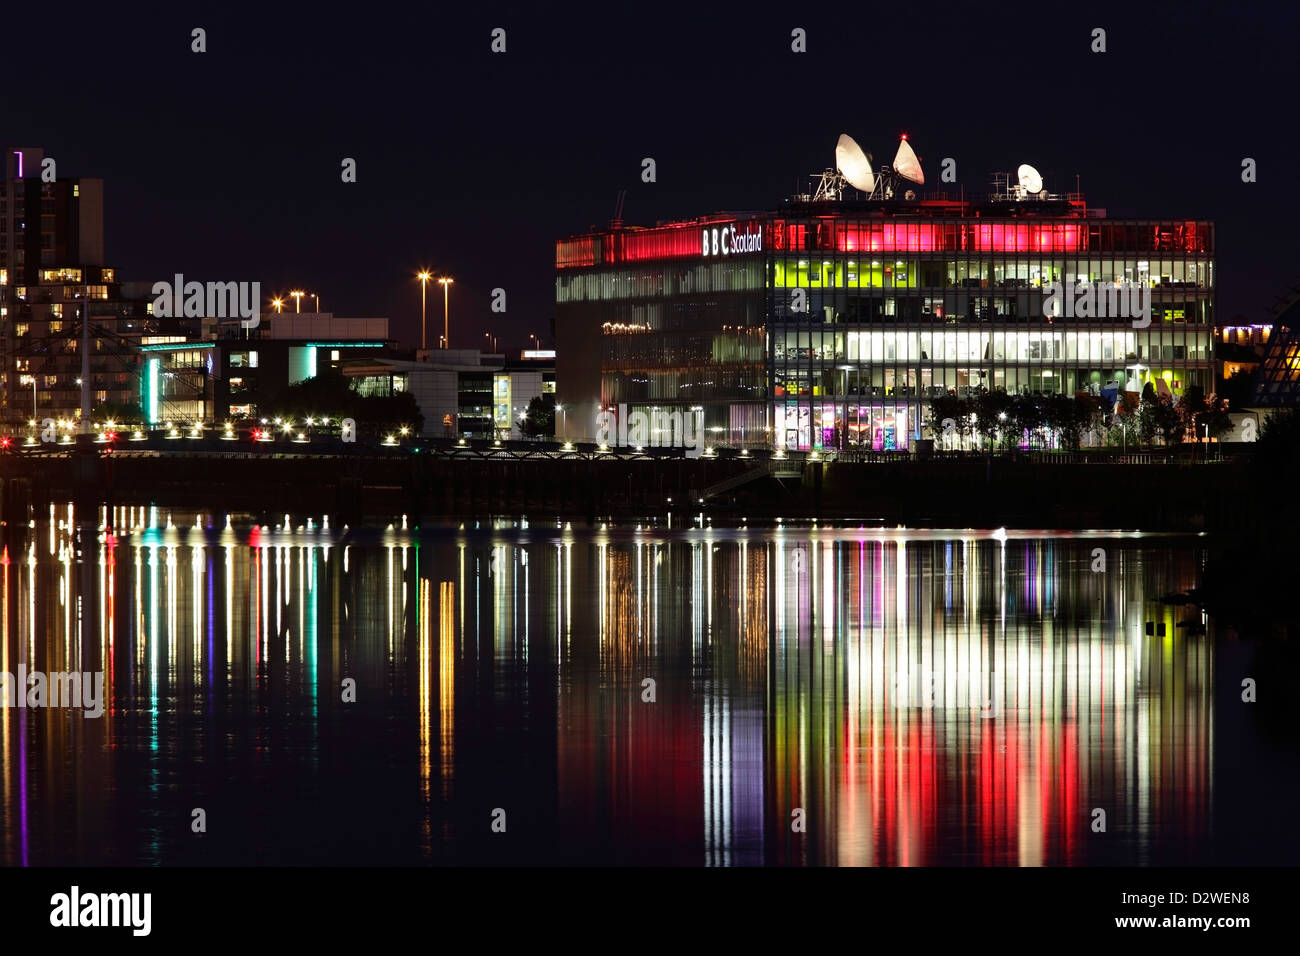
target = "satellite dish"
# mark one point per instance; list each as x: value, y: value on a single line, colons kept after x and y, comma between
x: 1030, y: 179
x: 854, y: 164
x: 907, y: 165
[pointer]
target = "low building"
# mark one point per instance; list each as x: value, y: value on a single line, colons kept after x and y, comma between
x: 252, y: 368
x: 462, y: 393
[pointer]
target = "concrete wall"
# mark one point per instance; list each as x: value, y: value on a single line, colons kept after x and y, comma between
x: 323, y: 326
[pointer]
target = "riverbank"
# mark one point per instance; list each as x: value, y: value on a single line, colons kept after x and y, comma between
x: 1219, y: 497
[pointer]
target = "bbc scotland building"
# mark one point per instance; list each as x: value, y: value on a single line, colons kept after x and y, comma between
x: 831, y: 323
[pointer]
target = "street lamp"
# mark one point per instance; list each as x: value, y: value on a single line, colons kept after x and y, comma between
x: 564, y: 422
x: 424, y: 283
x: 277, y: 304
x: 536, y: 342
x: 491, y: 340
x: 445, y: 282
x: 297, y: 300
x: 317, y: 298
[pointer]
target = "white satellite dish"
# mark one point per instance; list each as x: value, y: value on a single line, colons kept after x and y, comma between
x: 907, y: 165
x: 854, y: 164
x: 1030, y: 179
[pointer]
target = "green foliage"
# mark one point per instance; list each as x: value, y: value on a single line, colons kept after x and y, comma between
x: 117, y: 412
x: 1159, y: 418
x: 330, y: 394
x: 540, y: 420
x: 1002, y: 420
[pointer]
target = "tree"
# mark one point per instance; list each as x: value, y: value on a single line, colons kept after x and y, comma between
x: 992, y: 415
x: 539, y: 420
x: 116, y: 412
x: 1215, y: 416
x: 949, y: 408
x: 1147, y: 424
x: 1159, y: 418
x: 1028, y: 414
x: 330, y: 394
x: 1124, y: 421
x: 1090, y: 413
x: 1190, y: 407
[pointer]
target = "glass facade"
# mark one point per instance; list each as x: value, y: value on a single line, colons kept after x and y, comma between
x: 832, y: 325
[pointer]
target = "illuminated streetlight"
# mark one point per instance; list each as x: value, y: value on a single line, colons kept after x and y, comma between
x: 317, y: 298
x: 424, y: 277
x: 297, y: 300
x: 445, y: 282
x: 277, y: 304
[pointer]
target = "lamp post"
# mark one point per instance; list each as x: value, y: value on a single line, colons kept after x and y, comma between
x: 424, y: 284
x: 563, y: 420
x: 317, y: 298
x: 297, y: 300
x: 445, y: 282
x: 491, y: 341
x: 277, y: 304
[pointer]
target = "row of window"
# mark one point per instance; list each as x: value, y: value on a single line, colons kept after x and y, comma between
x: 1105, y: 303
x: 984, y: 235
x: 984, y: 273
x: 928, y: 384
x: 912, y: 346
x: 660, y: 281
x: 685, y: 385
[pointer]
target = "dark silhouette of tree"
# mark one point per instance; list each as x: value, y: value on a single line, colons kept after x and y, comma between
x: 329, y: 394
x: 539, y: 420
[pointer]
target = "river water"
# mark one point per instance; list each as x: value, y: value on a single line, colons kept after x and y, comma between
x: 301, y: 694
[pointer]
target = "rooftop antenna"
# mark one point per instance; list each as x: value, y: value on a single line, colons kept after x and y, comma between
x: 852, y: 167
x: 906, y: 164
x: 618, y: 210
x: 854, y: 164
x: 1029, y: 182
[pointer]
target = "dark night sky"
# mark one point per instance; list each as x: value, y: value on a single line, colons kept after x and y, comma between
x: 225, y: 165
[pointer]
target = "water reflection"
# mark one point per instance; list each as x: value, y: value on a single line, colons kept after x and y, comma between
x: 715, y: 698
